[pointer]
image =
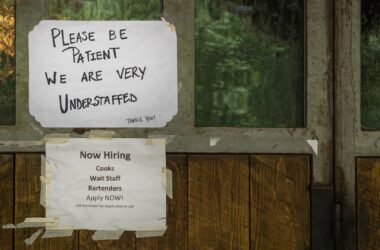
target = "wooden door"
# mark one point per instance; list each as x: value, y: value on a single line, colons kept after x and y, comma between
x: 357, y: 135
x: 239, y: 183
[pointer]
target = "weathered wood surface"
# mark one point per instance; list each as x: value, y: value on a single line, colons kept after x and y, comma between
x: 6, y: 200
x: 27, y: 204
x: 126, y: 241
x: 368, y: 203
x: 176, y: 235
x: 280, y: 202
x: 218, y: 202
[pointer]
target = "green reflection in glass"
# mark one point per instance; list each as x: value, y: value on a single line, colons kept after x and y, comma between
x: 7, y: 63
x: 249, y: 67
x: 104, y: 9
x: 370, y: 65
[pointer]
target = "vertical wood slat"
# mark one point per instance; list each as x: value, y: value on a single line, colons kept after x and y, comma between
x: 280, y: 202
x: 176, y: 235
x: 27, y: 204
x: 368, y: 203
x: 218, y: 205
x: 6, y: 200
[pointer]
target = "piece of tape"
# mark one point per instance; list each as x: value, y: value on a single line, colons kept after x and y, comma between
x: 56, y: 138
x: 145, y: 233
x: 9, y: 226
x: 45, y: 179
x: 21, y: 144
x: 34, y: 236
x: 101, y: 134
x: 156, y: 141
x: 168, y: 182
x: 57, y: 233
x: 171, y: 26
x: 107, y: 235
x: 38, y: 222
x: 314, y: 145
x: 168, y: 138
x: 214, y: 141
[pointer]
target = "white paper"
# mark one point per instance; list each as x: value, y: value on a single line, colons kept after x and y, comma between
x: 133, y: 66
x: 136, y: 167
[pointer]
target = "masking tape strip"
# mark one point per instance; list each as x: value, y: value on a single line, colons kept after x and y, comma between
x: 107, y: 235
x: 171, y: 26
x: 57, y: 233
x: 45, y: 179
x: 168, y: 138
x: 50, y: 138
x: 101, y: 134
x: 38, y: 222
x: 34, y: 236
x: 150, y: 232
x: 314, y: 145
x: 9, y: 226
x: 56, y: 138
x: 156, y: 141
x: 167, y: 181
x: 214, y: 141
x: 21, y: 144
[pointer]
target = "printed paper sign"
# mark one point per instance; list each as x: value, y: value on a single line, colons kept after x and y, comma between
x: 103, y: 73
x: 107, y: 184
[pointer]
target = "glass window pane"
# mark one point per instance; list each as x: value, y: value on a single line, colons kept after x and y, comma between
x: 249, y: 68
x: 370, y: 65
x: 7, y: 62
x: 104, y: 9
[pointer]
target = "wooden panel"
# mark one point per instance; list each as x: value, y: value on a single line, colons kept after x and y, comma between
x: 176, y: 235
x: 27, y: 188
x: 218, y: 202
x: 368, y: 203
x: 6, y: 200
x: 280, y: 202
x: 126, y: 242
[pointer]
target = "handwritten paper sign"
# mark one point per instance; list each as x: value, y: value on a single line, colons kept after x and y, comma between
x: 103, y: 73
x: 107, y: 184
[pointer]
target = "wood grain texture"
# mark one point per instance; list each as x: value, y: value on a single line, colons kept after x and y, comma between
x: 126, y: 242
x: 176, y: 235
x: 368, y: 203
x: 218, y: 205
x: 27, y: 190
x: 6, y: 200
x: 280, y: 202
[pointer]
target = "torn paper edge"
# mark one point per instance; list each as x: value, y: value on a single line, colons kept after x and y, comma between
x: 171, y: 26
x: 214, y: 141
x: 29, y: 241
x: 150, y: 232
x: 167, y: 181
x: 101, y: 134
x: 107, y: 235
x: 314, y: 145
x: 168, y: 138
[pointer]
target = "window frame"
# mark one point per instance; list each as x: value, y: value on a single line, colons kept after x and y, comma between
x: 184, y: 136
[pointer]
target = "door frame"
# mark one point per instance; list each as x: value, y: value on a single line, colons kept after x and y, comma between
x: 183, y: 136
